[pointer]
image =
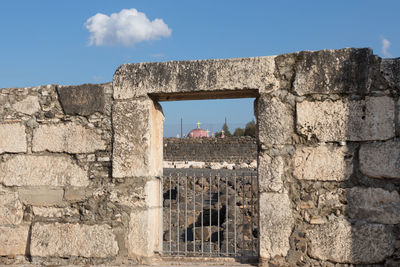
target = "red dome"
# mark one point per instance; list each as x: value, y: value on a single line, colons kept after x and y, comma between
x: 198, y: 133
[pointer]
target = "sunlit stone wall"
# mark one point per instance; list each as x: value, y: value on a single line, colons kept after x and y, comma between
x: 81, y: 166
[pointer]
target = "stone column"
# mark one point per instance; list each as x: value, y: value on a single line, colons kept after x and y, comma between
x: 137, y: 154
x: 275, y: 118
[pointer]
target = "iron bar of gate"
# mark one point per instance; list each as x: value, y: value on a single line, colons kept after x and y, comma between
x: 243, y: 211
x: 234, y: 217
x: 252, y: 210
x: 170, y: 213
x: 202, y: 213
x: 227, y: 216
x: 177, y: 211
x: 184, y: 228
x: 209, y: 185
x: 194, y: 215
x: 218, y: 228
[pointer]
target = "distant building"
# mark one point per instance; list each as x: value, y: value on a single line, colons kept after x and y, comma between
x: 198, y: 132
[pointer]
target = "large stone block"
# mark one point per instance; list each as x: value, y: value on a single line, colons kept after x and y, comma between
x: 12, y: 138
x: 84, y: 99
x: 10, y: 207
x: 398, y: 117
x: 145, y: 232
x: 69, y: 137
x: 76, y: 194
x: 41, y: 196
x: 138, y: 193
x: 323, y: 163
x: 333, y: 71
x: 390, y: 70
x: 374, y: 205
x: 65, y: 240
x: 276, y: 223
x: 380, y: 159
x: 13, y: 240
x: 270, y: 173
x: 275, y: 121
x: 52, y: 212
x: 345, y: 120
x: 32, y: 170
x: 30, y: 105
x: 133, y: 80
x: 341, y: 242
x: 137, y: 148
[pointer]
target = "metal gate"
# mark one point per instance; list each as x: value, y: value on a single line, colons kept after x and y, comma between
x: 210, y: 213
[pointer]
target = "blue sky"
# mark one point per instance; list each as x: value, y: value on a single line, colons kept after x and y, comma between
x: 46, y: 41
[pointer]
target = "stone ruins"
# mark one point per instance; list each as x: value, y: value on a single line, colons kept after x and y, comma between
x: 81, y: 166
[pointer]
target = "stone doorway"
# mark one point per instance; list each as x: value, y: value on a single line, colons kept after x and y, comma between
x: 210, y: 192
x: 137, y: 148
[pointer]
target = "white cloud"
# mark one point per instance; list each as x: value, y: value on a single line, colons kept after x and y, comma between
x: 385, y: 47
x: 127, y: 27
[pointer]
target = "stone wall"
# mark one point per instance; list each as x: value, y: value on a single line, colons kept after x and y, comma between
x: 330, y: 160
x: 80, y: 166
x: 229, y: 149
x: 58, y: 201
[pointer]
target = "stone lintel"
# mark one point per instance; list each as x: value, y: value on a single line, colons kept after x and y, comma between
x: 134, y: 80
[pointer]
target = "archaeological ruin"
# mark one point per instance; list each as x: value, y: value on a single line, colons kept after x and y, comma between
x: 81, y: 167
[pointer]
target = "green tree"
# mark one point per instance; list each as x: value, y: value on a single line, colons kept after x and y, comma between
x: 238, y: 132
x: 250, y: 129
x: 226, y: 130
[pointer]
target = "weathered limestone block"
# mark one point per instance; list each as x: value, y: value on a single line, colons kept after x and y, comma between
x: 10, y: 207
x: 374, y: 205
x: 65, y: 240
x: 133, y: 80
x: 13, y: 240
x: 380, y: 159
x: 76, y: 194
x: 52, y: 212
x: 390, y: 69
x: 285, y: 70
x: 339, y: 241
x: 276, y: 223
x: 332, y: 71
x: 323, y: 163
x: 398, y: 117
x: 69, y: 137
x: 84, y: 99
x: 12, y: 138
x: 344, y: 120
x: 275, y: 121
x: 270, y: 173
x: 137, y: 148
x: 138, y: 193
x: 145, y: 232
x: 30, y: 105
x: 32, y: 170
x: 41, y: 196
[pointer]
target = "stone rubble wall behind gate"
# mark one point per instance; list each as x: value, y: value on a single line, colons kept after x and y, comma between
x: 80, y: 166
x: 229, y: 149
